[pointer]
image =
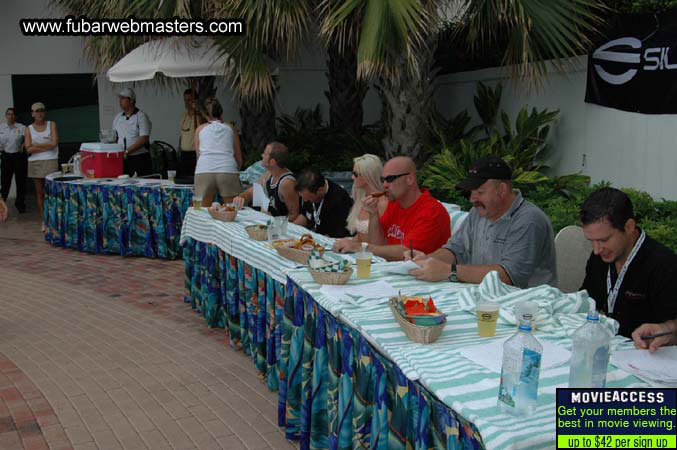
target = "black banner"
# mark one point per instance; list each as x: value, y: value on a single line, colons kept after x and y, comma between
x: 636, y: 69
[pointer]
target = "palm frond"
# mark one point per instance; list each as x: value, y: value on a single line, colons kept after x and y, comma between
x: 535, y: 31
x: 391, y: 32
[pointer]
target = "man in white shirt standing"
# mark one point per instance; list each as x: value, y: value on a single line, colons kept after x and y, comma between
x: 14, y: 162
x: 132, y: 127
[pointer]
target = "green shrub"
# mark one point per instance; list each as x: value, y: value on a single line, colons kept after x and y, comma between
x: 313, y: 143
x: 522, y: 145
x: 657, y: 218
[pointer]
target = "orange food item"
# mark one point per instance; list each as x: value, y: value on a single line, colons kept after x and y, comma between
x: 415, y: 306
x: 306, y: 240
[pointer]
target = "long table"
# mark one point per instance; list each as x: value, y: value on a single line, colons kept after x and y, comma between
x: 347, y: 376
x: 132, y: 217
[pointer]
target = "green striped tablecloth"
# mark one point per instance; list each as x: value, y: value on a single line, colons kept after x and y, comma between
x: 232, y: 238
x: 468, y: 388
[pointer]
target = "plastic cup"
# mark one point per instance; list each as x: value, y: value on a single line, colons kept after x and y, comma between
x: 363, y: 264
x: 171, y: 174
x: 197, y: 202
x: 526, y: 310
x: 487, y: 315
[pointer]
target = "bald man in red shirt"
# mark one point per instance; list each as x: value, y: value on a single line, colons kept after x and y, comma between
x: 413, y: 218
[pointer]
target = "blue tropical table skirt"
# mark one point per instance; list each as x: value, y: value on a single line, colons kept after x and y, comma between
x: 136, y: 220
x: 336, y: 391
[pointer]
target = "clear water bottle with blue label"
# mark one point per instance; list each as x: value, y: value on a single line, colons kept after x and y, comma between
x: 522, y: 353
x: 589, y: 354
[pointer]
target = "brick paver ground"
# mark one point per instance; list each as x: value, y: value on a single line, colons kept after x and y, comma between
x: 100, y: 352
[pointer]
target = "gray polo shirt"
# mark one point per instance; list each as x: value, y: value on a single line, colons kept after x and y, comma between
x: 521, y: 241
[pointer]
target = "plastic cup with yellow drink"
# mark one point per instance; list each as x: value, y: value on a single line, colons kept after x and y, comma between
x: 487, y: 315
x: 363, y: 260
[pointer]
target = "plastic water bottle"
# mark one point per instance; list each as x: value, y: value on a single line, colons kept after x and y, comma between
x: 589, y: 354
x: 518, y: 392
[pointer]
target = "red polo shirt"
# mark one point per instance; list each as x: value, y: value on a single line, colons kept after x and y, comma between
x: 425, y: 223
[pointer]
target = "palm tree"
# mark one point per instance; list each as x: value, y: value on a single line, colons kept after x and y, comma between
x: 397, y: 40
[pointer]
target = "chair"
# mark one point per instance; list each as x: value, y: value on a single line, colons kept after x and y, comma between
x: 573, y: 251
x: 163, y: 157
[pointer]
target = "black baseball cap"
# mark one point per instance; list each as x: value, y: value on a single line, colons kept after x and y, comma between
x: 485, y: 168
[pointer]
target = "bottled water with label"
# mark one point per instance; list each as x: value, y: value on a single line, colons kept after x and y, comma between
x: 589, y: 354
x: 519, y: 374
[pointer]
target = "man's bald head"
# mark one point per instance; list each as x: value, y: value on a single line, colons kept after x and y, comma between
x: 399, y: 178
x: 400, y: 164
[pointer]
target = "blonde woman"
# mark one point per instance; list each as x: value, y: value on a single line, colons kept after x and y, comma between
x: 42, y: 145
x: 218, y: 157
x: 367, y: 171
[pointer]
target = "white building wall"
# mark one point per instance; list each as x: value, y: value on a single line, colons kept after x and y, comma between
x: 628, y: 149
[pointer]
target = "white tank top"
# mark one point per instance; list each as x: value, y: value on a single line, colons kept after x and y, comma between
x: 216, y: 149
x: 43, y: 137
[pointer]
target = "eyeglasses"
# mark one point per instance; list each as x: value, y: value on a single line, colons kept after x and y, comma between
x: 38, y: 110
x: 391, y: 178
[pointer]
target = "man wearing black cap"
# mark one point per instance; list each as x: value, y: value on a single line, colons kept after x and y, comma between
x: 503, y: 232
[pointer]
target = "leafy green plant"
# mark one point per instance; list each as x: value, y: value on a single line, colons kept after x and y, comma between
x: 313, y: 143
x: 522, y: 146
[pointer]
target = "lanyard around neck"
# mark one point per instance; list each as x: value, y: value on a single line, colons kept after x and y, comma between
x: 318, y: 210
x: 612, y: 293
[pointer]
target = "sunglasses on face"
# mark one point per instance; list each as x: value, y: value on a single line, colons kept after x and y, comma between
x: 391, y: 178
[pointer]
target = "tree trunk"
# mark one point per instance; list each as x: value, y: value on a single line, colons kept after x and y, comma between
x: 407, y: 108
x: 345, y: 92
x: 258, y: 126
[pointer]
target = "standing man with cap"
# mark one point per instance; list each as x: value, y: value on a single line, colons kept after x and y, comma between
x: 14, y: 159
x: 503, y: 233
x: 132, y: 127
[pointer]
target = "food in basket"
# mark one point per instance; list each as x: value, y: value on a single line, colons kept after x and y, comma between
x: 284, y: 243
x: 218, y: 207
x: 305, y: 243
x: 421, y: 311
x: 419, y: 305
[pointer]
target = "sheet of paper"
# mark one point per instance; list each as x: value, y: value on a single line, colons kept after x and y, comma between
x: 356, y: 292
x: 490, y: 355
x: 658, y: 366
x: 399, y: 267
x: 260, y: 197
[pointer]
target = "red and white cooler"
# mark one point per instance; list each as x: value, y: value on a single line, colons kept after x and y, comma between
x: 106, y: 159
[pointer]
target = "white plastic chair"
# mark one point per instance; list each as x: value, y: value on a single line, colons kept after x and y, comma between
x: 573, y: 251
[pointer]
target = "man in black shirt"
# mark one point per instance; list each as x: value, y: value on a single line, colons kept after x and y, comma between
x: 632, y: 277
x: 325, y: 207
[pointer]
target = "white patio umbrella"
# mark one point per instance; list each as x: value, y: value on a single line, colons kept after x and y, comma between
x: 174, y: 57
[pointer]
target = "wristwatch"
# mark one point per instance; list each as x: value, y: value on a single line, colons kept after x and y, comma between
x: 453, y: 276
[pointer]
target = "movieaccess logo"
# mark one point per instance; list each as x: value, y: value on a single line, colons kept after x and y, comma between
x: 628, y: 52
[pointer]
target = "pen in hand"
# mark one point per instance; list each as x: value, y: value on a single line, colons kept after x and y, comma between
x: 411, y: 248
x: 653, y: 336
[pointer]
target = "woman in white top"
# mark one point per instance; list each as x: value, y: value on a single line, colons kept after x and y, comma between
x: 42, y: 145
x: 367, y: 171
x: 218, y: 157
